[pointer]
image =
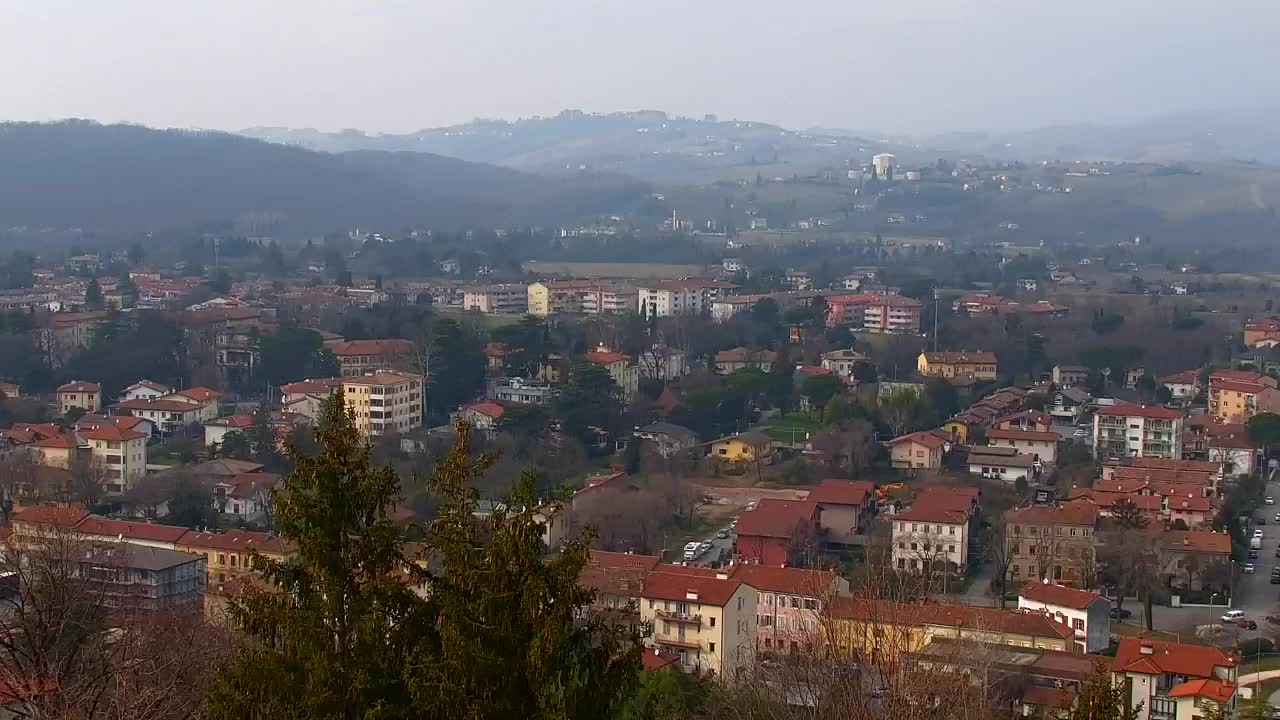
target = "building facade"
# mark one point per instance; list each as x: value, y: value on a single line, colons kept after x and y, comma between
x: 384, y: 402
x: 1122, y: 431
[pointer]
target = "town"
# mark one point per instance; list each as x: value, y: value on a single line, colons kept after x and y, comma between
x: 990, y: 493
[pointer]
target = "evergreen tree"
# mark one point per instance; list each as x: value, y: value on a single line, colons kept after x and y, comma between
x: 1102, y: 699
x: 331, y: 639
x: 512, y: 643
x: 93, y: 295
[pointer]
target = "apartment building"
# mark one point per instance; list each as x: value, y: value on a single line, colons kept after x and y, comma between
x: 521, y: 390
x: 1069, y: 375
x: 702, y: 615
x: 357, y: 357
x: 384, y: 402
x: 499, y: 299
x: 589, y: 297
x: 1121, y: 431
x: 893, y: 314
x: 978, y: 364
x: 689, y: 296
x: 1175, y: 681
x: 226, y: 554
x: 1237, y: 395
x: 790, y: 603
x: 1052, y: 542
x: 617, y: 579
x: 138, y: 577
x: 934, y: 533
x: 81, y: 395
x: 121, y: 452
x: 1087, y: 613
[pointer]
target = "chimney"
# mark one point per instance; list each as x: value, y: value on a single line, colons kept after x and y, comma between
x: 1146, y: 649
x: 722, y: 575
x: 690, y: 595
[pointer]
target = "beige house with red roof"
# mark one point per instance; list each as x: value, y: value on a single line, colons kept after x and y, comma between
x: 933, y: 535
x: 245, y: 496
x: 80, y: 394
x: 976, y: 364
x: 1042, y: 445
x: 1088, y: 614
x: 845, y: 508
x: 144, y: 390
x: 55, y: 451
x: 1237, y: 395
x: 216, y: 429
x: 621, y: 367
x: 1052, y: 542
x: 1126, y: 431
x: 121, y: 452
x: 1175, y: 681
x: 739, y: 358
x: 357, y: 357
x: 703, y: 615
x: 228, y: 552
x: 617, y: 579
x: 919, y: 450
x: 483, y: 416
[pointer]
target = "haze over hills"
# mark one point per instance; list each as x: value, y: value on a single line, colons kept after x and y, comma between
x: 129, y: 178
x: 660, y: 147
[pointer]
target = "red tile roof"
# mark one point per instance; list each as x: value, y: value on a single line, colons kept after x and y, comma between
x: 1028, y: 435
x: 63, y: 516
x: 834, y: 491
x: 1234, y: 386
x: 1058, y: 595
x: 707, y: 589
x: 150, y: 532
x: 1195, y: 661
x: 1212, y: 688
x: 604, y: 357
x: 1204, y: 541
x: 1033, y: 624
x: 1245, y: 376
x: 1186, y: 377
x: 1067, y: 514
x: 237, y: 540
x: 315, y: 386
x: 776, y: 518
x: 199, y: 394
x: 961, y: 357
x: 488, y: 409
x: 38, y: 429
x: 372, y: 347
x: 111, y: 433
x: 654, y: 660
x: 1048, y: 697
x: 741, y: 354
x: 242, y: 420
x: 248, y: 485
x: 615, y: 573
x: 1154, y: 412
x: 787, y: 580
x: 927, y: 438
x: 58, y: 442
x: 79, y: 386
x: 177, y: 406
x: 1190, y: 503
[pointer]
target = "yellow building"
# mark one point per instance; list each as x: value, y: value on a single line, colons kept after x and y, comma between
x: 863, y: 627
x: 978, y: 364
x: 703, y: 615
x: 746, y: 447
x: 228, y: 552
x: 383, y: 402
x: 86, y: 396
x: 1237, y: 395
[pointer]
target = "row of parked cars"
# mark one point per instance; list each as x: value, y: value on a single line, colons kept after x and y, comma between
x: 695, y: 550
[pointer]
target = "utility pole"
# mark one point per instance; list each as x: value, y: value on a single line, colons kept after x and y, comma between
x: 935, y: 319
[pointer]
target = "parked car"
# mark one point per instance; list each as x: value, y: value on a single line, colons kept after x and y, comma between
x: 1275, y: 579
x: 1257, y: 532
x: 1271, y: 500
x: 1277, y: 517
x: 1253, y: 554
x: 724, y: 533
x: 1233, y: 616
x: 1247, y: 625
x: 1247, y: 569
x: 1119, y: 613
x: 691, y: 550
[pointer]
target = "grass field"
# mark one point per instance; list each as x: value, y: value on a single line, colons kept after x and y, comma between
x: 490, y: 322
x: 612, y: 270
x: 791, y: 427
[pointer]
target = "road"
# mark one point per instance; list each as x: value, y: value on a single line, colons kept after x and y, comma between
x: 1254, y: 594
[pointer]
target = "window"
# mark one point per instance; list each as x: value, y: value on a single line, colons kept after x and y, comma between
x: 951, y: 548
x: 713, y: 622
x: 1077, y: 623
x: 712, y: 646
x: 951, y: 530
x: 1073, y: 532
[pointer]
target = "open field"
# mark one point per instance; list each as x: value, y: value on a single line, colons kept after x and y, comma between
x: 612, y: 270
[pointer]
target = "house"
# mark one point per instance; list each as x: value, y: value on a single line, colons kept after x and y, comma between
x: 1169, y: 680
x: 384, y: 402
x: 1088, y: 614
x: 617, y: 579
x: 1001, y: 463
x: 1257, y: 330
x: 843, y: 362
x: 1121, y: 431
x: 919, y: 450
x: 126, y: 422
x: 145, y: 390
x: 357, y: 357
x: 245, y: 496
x: 745, y: 447
x: 845, y: 509
x: 1069, y: 404
x: 167, y: 415
x: 1042, y: 446
x: 201, y: 397
x: 727, y: 361
x: 704, y: 616
x: 95, y: 528
x: 1051, y: 542
x: 1185, y: 556
x: 933, y: 535
x: 122, y: 454
x: 797, y: 280
x: 1027, y: 420
x: 55, y: 451
x: 216, y: 429
x: 1236, y: 454
x: 227, y: 553
x: 483, y: 416
x: 790, y: 605
x: 1183, y: 386
x: 885, y: 630
x: 777, y: 532
x: 521, y: 390
x: 977, y: 364
x: 1237, y: 395
x: 306, y: 398
x: 79, y: 395
x: 667, y: 438
x: 625, y: 373
x: 1070, y: 375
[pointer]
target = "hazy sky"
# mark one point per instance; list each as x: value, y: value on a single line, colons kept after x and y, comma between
x: 897, y: 65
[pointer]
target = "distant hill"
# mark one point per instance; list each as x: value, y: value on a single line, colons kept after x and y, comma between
x: 129, y: 178
x: 646, y: 144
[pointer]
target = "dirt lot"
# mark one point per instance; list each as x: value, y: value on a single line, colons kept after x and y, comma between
x: 729, y: 502
x: 613, y: 270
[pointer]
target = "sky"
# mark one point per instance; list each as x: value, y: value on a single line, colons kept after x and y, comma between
x: 905, y: 66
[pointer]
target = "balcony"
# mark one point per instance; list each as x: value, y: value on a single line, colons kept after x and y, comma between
x: 673, y: 616
x: 677, y: 642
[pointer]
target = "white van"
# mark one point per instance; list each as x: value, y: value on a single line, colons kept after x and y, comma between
x: 1255, y: 543
x: 691, y: 550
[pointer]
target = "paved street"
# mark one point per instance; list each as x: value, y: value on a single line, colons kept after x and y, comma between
x: 1254, y: 593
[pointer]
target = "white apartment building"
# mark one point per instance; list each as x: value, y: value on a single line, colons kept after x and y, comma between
x: 383, y: 402
x: 1088, y: 614
x: 1121, y: 431
x: 679, y: 297
x: 503, y: 298
x: 121, y: 452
